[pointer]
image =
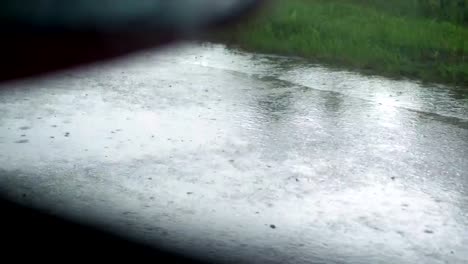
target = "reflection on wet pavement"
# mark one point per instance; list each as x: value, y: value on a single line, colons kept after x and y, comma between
x: 240, y: 156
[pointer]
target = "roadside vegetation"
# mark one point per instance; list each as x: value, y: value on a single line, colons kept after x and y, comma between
x: 421, y: 39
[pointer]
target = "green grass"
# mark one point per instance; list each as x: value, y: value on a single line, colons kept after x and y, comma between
x: 369, y: 35
x: 455, y: 11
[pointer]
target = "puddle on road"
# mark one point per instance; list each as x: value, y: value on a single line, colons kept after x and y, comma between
x: 243, y: 148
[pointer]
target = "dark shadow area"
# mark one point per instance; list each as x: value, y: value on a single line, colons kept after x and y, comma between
x: 27, y: 233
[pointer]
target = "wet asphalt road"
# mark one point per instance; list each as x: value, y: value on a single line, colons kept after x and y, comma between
x: 245, y: 158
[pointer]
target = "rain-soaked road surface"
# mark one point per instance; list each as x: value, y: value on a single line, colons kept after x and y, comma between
x: 245, y: 158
